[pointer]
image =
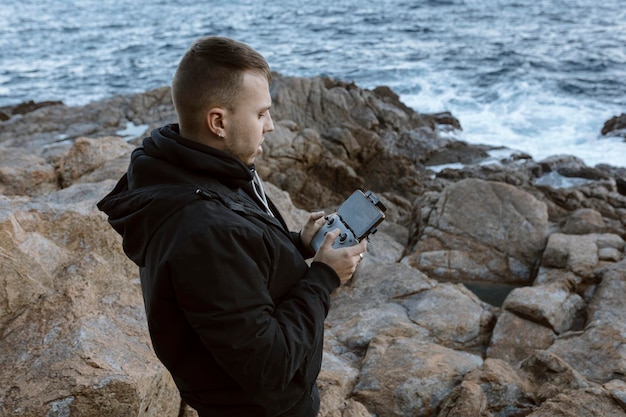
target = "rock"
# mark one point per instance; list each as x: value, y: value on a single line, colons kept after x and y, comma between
x: 576, y: 253
x: 547, y: 275
x: 389, y: 319
x: 400, y: 339
x: 404, y: 376
x: 604, y: 332
x: 607, y: 308
x: 336, y: 382
x: 617, y: 388
x: 370, y: 305
x: 467, y: 399
x: 482, y: 231
x: 383, y: 248
x: 357, y: 150
x: 328, y: 102
x: 72, y: 320
x: 467, y: 326
x: 294, y: 218
x: 621, y: 185
x: 579, y: 349
x: 31, y: 106
x: 23, y: 173
x: 505, y: 389
x: 339, y: 373
x: 556, y: 254
x: 446, y: 118
x: 48, y: 125
x: 515, y: 338
x: 609, y: 254
x: 571, y: 167
x: 584, y: 221
x: 551, y: 304
x: 578, y: 403
x: 610, y: 241
x: 616, y: 126
x: 87, y: 155
x: 550, y: 374
x: 542, y: 385
x: 456, y: 152
x: 375, y: 286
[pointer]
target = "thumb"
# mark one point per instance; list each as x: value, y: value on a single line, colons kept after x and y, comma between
x: 330, y: 237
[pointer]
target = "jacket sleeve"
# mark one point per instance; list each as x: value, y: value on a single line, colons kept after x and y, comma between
x: 306, y: 252
x: 221, y: 283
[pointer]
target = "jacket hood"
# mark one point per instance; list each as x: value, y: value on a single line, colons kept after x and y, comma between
x: 162, y: 178
x: 167, y: 157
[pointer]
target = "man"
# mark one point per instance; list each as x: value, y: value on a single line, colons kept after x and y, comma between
x: 234, y: 311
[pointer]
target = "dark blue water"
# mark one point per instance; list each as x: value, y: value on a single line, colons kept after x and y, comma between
x: 539, y: 76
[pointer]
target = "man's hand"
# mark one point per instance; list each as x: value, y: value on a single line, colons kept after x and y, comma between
x: 314, y: 223
x: 343, y: 260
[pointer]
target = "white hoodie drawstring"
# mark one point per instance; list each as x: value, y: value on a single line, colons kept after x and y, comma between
x: 257, y: 186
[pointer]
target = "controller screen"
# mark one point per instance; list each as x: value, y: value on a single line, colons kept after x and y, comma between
x: 359, y: 213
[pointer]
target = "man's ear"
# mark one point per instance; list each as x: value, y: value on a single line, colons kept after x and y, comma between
x: 215, y: 121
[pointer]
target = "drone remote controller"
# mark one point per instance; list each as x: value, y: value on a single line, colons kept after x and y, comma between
x: 356, y: 218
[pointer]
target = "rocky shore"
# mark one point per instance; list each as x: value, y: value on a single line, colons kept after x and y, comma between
x: 494, y: 289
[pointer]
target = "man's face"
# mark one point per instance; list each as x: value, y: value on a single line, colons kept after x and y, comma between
x: 246, y: 125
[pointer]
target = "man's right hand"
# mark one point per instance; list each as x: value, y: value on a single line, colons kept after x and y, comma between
x: 343, y: 260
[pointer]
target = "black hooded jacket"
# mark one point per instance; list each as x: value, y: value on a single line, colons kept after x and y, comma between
x: 234, y: 311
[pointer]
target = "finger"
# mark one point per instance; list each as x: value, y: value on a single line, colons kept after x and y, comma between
x: 320, y: 221
x: 358, y: 249
x: 316, y: 215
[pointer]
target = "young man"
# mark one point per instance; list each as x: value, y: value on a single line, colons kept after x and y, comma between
x: 234, y: 311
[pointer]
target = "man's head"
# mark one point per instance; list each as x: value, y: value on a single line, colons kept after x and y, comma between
x: 221, y: 95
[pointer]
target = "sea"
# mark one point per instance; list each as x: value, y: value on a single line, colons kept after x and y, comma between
x: 535, y: 76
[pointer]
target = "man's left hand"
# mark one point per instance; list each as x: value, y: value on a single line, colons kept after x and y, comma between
x: 314, y: 223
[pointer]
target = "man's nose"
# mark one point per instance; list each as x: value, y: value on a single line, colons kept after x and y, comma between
x: 269, y: 127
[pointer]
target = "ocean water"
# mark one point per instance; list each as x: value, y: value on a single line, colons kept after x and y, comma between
x: 538, y: 76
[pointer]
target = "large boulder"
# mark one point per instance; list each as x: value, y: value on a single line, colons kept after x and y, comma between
x: 25, y: 173
x: 553, y: 305
x: 332, y: 137
x: 507, y: 391
x: 515, y: 338
x: 406, y: 376
x: 88, y: 155
x: 580, y: 403
x: 482, y: 231
x: 467, y: 326
x: 599, y: 352
x: 74, y: 335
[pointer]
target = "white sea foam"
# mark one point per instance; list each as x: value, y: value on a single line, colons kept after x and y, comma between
x: 529, y: 120
x: 132, y: 131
